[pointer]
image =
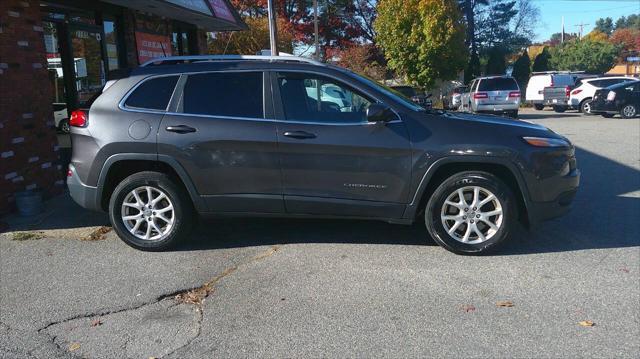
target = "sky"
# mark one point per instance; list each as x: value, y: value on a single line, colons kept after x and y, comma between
x: 579, y: 11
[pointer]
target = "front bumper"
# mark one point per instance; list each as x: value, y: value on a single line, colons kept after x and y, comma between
x: 566, y: 187
x: 85, y: 196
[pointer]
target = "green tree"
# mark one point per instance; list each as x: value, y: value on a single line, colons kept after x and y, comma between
x: 422, y: 39
x: 629, y: 22
x: 496, y: 64
x: 541, y: 62
x: 604, y: 25
x: 584, y: 55
x: 522, y: 69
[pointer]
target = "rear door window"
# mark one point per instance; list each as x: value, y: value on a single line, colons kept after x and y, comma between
x: 498, y: 84
x: 153, y: 94
x: 224, y: 94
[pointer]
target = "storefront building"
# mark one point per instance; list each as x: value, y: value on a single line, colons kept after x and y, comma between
x: 55, y: 56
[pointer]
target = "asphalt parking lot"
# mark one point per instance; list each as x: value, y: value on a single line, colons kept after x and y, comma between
x: 293, y: 288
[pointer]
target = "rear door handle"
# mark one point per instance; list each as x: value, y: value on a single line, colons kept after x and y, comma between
x: 180, y: 129
x: 301, y: 135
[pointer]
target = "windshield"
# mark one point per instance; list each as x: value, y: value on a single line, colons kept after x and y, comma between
x: 395, y: 95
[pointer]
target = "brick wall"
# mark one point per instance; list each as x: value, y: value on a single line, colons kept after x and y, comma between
x: 28, y: 143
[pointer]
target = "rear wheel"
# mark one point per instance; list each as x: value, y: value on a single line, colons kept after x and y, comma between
x: 559, y: 109
x: 585, y: 106
x: 628, y: 111
x: 513, y: 114
x: 149, y: 211
x: 471, y: 213
x: 538, y: 106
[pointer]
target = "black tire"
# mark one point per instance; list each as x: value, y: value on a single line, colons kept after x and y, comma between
x: 183, y: 212
x: 538, y: 106
x: 63, y: 126
x: 607, y: 115
x: 585, y: 106
x: 513, y: 114
x: 559, y: 109
x: 485, y: 180
x: 629, y: 111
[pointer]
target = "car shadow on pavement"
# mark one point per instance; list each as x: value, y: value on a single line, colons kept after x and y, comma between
x: 541, y: 115
x: 604, y: 215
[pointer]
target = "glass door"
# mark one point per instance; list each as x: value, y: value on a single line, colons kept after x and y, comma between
x: 89, y: 67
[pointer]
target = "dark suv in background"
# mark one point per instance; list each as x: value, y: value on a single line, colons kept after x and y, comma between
x: 255, y: 136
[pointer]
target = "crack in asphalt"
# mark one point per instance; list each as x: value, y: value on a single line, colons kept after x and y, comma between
x: 191, y: 296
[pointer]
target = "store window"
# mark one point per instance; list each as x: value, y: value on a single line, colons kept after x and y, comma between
x: 183, y: 39
x: 111, y: 43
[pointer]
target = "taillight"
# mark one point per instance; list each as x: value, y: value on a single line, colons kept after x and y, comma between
x: 567, y: 91
x: 480, y: 95
x: 78, y: 119
x: 69, y: 173
x: 576, y: 91
x: 514, y: 94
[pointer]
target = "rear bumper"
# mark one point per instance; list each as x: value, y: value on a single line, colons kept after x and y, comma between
x: 604, y: 107
x: 85, y: 196
x: 556, y: 102
x: 497, y: 108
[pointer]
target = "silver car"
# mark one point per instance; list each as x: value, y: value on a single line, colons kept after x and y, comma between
x: 495, y: 94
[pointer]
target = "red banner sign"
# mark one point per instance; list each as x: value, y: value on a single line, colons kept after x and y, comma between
x: 150, y: 46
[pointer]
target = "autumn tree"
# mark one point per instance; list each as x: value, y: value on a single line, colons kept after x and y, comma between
x: 251, y: 41
x: 422, y: 39
x: 364, y: 59
x: 628, y: 40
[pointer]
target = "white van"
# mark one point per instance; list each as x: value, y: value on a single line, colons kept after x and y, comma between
x: 540, y: 80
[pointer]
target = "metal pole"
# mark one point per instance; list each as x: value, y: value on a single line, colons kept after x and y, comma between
x: 315, y: 28
x: 273, y: 28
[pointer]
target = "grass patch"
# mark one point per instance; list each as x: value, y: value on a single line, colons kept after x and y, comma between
x: 27, y: 236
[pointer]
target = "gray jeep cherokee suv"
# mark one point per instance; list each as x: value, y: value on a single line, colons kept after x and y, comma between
x: 286, y: 136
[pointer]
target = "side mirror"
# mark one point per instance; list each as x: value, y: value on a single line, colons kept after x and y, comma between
x: 379, y: 113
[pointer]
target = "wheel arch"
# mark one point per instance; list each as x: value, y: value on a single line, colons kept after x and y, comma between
x: 447, y: 167
x: 118, y: 167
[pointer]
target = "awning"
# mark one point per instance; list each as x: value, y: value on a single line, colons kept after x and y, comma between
x: 210, y: 15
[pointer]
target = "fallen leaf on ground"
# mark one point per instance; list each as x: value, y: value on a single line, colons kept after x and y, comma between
x: 468, y: 308
x: 98, y: 234
x: 74, y: 346
x: 96, y: 322
x: 587, y: 323
x: 505, y: 303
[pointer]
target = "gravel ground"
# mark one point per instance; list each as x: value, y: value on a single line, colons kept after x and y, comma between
x: 291, y: 288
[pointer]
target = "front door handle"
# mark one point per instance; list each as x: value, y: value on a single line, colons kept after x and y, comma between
x: 180, y: 129
x: 301, y: 135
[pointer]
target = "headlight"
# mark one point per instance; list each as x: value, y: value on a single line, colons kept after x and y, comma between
x: 546, y: 142
x: 611, y: 96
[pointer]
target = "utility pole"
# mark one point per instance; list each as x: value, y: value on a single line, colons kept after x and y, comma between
x: 273, y: 28
x: 581, y: 25
x: 315, y: 29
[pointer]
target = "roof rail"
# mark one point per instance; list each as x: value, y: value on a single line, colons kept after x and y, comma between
x: 556, y: 72
x: 171, y: 60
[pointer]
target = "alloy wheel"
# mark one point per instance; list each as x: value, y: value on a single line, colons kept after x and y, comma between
x: 629, y: 111
x: 147, y: 213
x: 472, y: 215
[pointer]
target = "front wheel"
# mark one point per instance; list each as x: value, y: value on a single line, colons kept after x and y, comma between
x: 150, y: 212
x: 538, y: 106
x: 628, y: 111
x: 471, y: 213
